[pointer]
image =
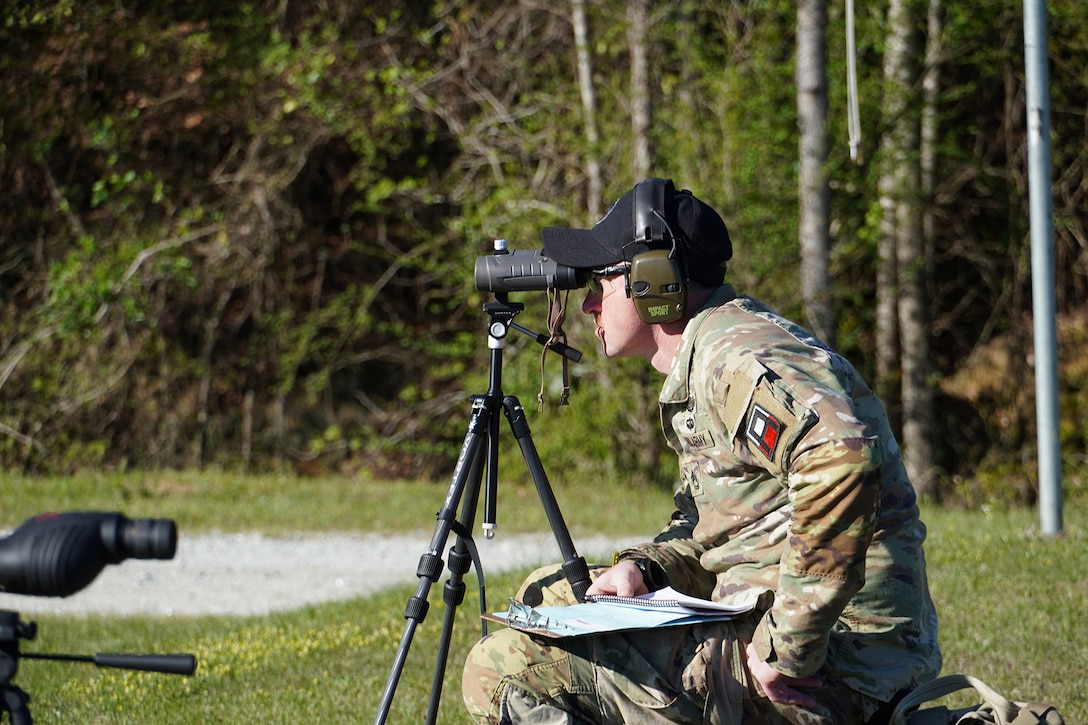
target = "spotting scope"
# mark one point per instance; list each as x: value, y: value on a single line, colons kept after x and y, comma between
x: 57, y: 554
x: 524, y: 270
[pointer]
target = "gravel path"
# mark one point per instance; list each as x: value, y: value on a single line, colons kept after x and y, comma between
x: 251, y: 574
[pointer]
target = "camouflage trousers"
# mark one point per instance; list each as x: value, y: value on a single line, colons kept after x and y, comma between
x: 691, y: 674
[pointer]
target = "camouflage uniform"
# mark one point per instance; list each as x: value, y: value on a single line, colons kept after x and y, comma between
x: 793, y: 489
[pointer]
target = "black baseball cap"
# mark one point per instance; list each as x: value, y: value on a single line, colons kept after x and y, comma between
x: 700, y: 235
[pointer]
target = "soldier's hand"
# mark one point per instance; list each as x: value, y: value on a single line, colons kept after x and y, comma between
x: 779, y: 687
x: 624, y: 580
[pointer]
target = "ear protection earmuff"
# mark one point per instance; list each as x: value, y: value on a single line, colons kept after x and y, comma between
x: 656, y: 279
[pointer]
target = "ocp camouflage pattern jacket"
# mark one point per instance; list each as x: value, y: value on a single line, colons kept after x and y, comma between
x: 793, y: 486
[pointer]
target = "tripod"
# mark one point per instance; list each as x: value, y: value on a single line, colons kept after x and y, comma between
x: 483, y: 427
x: 15, y: 701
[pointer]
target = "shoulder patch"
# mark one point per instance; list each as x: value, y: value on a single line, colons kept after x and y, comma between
x: 764, y: 431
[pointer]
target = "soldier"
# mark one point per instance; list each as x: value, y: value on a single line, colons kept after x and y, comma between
x: 792, y: 495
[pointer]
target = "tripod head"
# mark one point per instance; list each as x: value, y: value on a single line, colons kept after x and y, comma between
x: 58, y: 554
x: 522, y: 270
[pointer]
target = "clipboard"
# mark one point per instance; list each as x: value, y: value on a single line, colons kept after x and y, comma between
x: 606, y: 613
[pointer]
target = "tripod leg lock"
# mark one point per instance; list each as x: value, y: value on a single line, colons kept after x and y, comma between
x: 460, y: 561
x: 577, y: 572
x: 430, y: 566
x: 453, y: 594
x: 416, y: 609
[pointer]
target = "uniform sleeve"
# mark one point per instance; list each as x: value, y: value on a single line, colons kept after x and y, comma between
x: 832, y: 473
x: 676, y: 552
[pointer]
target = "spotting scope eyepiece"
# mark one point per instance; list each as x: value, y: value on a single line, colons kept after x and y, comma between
x: 57, y: 554
x: 524, y: 270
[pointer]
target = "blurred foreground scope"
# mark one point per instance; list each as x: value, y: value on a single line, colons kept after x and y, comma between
x: 54, y: 555
x: 524, y: 270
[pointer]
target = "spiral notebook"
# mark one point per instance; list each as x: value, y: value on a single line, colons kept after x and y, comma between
x: 609, y: 613
x: 669, y: 598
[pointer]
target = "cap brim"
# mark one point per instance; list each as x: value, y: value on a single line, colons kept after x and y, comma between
x: 576, y: 248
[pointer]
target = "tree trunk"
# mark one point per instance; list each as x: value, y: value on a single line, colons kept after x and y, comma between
x: 638, y: 26
x: 211, y: 326
x: 814, y: 193
x: 931, y: 89
x: 887, y: 276
x: 900, y: 188
x: 887, y: 315
x: 594, y: 191
x: 645, y: 428
x: 925, y: 463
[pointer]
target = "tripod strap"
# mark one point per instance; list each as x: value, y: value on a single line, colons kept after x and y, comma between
x: 557, y: 314
x: 458, y: 528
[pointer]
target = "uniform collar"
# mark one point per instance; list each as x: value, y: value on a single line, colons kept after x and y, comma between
x: 675, y: 389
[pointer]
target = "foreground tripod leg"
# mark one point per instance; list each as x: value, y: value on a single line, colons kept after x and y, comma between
x: 15, y: 703
x: 574, y: 566
x: 13, y: 700
x: 453, y: 592
x: 430, y: 564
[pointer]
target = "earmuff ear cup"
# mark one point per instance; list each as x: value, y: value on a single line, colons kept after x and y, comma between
x: 657, y: 287
x: 656, y: 280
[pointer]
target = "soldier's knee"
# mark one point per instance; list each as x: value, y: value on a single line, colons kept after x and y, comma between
x: 487, y: 663
x: 504, y: 656
x: 548, y: 586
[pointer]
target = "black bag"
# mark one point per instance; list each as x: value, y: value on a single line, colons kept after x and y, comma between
x: 994, y: 709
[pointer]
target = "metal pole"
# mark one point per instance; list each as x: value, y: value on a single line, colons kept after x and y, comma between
x: 1042, y: 266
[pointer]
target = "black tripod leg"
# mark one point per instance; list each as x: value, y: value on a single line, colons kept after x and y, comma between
x: 453, y: 593
x: 574, y: 566
x: 430, y: 564
x: 15, y: 702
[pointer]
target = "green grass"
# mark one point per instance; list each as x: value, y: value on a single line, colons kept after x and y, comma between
x: 327, y: 664
x: 1012, y: 604
x: 277, y: 504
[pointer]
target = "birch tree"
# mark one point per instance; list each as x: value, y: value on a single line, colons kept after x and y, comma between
x: 594, y: 192
x: 931, y: 84
x: 902, y: 244
x: 646, y: 435
x: 638, y: 28
x: 814, y: 193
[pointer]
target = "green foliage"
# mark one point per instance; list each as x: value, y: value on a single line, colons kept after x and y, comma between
x: 260, y: 123
x: 244, y: 235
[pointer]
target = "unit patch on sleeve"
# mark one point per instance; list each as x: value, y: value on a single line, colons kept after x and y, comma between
x: 764, y: 430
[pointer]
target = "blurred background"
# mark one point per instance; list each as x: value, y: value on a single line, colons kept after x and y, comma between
x: 242, y: 235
